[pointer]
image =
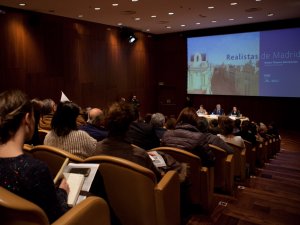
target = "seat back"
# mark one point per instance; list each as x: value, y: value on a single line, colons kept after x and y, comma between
x: 223, y: 169
x: 239, y: 161
x: 134, y: 195
x: 250, y: 156
x: 53, y: 157
x: 27, y: 149
x: 200, y: 188
x: 42, y: 134
x: 15, y: 210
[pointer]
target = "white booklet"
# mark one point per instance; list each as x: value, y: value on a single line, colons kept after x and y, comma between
x: 157, y: 159
x: 80, y: 177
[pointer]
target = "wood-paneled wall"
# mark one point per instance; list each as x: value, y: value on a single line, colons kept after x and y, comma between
x: 44, y: 54
x: 91, y: 63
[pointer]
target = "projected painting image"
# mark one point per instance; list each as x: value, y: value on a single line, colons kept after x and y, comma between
x: 224, y: 64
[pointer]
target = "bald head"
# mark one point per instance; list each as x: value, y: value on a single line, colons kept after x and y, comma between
x: 95, y: 116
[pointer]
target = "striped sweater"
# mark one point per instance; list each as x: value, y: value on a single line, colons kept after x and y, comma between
x: 77, y: 142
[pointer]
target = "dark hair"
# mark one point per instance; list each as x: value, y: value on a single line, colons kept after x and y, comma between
x: 119, y: 117
x: 188, y: 115
x: 64, y: 118
x: 227, y: 126
x: 203, y: 124
x: 47, y: 106
x: 14, y: 104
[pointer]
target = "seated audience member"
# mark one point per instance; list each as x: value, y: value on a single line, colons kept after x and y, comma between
x: 237, y: 127
x: 235, y: 112
x: 142, y: 134
x: 273, y: 129
x: 227, y: 133
x: 201, y: 111
x: 213, y: 127
x: 147, y: 118
x: 119, y: 117
x: 20, y: 173
x: 187, y: 136
x: 218, y: 110
x: 47, y: 111
x: 158, y: 122
x: 95, y: 124
x: 65, y: 135
x: 37, y: 107
x: 209, y: 138
x: 247, y: 132
x: 80, y: 120
x: 170, y: 123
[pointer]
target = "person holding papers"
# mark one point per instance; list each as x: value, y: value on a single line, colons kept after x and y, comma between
x: 118, y: 119
x: 20, y: 173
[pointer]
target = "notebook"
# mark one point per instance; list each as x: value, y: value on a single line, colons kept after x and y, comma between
x: 75, y: 182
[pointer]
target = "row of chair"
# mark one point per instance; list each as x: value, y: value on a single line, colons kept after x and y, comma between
x: 132, y: 191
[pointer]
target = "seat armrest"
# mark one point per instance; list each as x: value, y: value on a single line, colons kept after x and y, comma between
x: 93, y: 211
x: 229, y: 177
x: 167, y: 199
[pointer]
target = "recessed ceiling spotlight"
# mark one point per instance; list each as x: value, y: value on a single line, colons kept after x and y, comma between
x: 115, y: 4
x: 210, y: 7
x: 213, y: 21
x: 171, y: 13
x: 153, y: 16
x: 182, y: 25
x: 231, y: 19
x: 258, y: 0
x: 198, y: 23
x: 147, y: 30
x: 80, y: 15
x: 270, y: 14
x: 22, y: 4
x: 250, y: 17
x: 134, y: 0
x: 137, y: 19
x: 120, y: 24
x: 168, y: 27
x: 97, y: 8
x: 233, y: 3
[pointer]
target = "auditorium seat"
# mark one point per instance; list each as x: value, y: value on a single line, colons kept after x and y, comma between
x: 42, y: 133
x: 134, y: 194
x: 15, y: 210
x: 53, y: 157
x: 239, y: 161
x: 223, y: 170
x: 250, y: 156
x: 200, y: 179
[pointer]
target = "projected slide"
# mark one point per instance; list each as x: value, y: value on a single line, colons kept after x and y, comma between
x: 251, y: 64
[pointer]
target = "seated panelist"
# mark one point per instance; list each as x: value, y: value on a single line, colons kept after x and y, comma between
x: 218, y: 110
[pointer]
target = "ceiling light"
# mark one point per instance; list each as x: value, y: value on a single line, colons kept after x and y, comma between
x: 153, y: 16
x: 270, y: 14
x: 233, y: 3
x: 213, y: 21
x: 148, y: 30
x: 168, y: 27
x: 97, y: 8
x: 231, y: 19
x: 134, y: 0
x: 210, y: 7
x: 182, y: 25
x: 198, y: 23
x: 115, y: 4
x: 250, y: 17
x: 171, y: 13
x: 137, y: 19
x: 120, y: 24
x: 22, y: 4
x: 80, y: 15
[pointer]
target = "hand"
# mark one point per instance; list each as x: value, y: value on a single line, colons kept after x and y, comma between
x: 64, y: 185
